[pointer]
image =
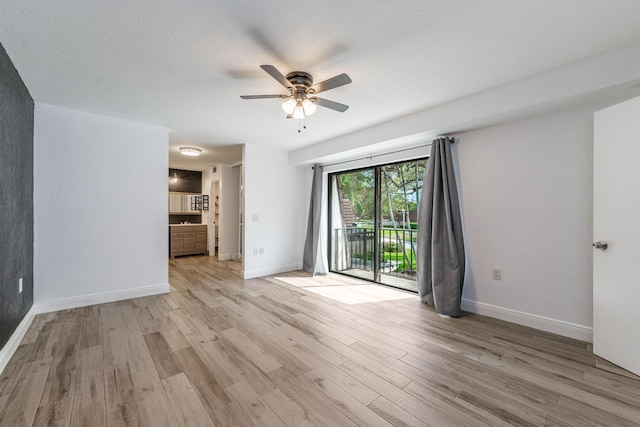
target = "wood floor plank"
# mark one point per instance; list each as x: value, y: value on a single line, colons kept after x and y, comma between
x: 22, y: 403
x: 230, y: 415
x: 346, y: 403
x: 288, y: 410
x: 562, y: 385
x: 394, y: 414
x: 253, y: 407
x: 187, y: 407
x: 89, y: 398
x: 138, y: 355
x: 57, y: 397
x: 45, y: 345
x: 162, y: 356
x: 113, y: 348
x: 152, y: 402
x: 253, y: 352
x: 316, y: 404
x: 122, y: 402
x: 299, y: 350
x: 210, y: 392
x: 11, y: 374
x: 218, y: 363
x: 251, y: 373
x: 90, y: 335
x: 333, y: 373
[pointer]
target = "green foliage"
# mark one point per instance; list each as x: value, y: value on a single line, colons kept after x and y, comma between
x: 404, y: 267
x: 359, y: 255
x: 393, y: 256
x: 359, y: 188
x: 390, y: 247
x: 401, y: 189
x: 402, y: 186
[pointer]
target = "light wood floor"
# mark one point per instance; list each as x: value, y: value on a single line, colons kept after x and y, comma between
x: 300, y: 351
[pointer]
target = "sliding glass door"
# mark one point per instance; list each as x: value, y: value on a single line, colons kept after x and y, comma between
x: 373, y: 222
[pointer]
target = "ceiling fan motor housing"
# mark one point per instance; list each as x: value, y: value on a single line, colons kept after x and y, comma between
x: 300, y: 78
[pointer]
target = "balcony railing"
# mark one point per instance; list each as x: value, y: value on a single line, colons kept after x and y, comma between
x: 354, y: 248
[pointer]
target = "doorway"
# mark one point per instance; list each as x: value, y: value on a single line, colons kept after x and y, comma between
x: 373, y: 224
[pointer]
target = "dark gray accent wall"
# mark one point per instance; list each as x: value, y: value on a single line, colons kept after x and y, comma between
x: 16, y: 198
x: 188, y: 181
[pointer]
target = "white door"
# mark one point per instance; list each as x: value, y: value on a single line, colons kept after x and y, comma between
x: 616, y: 221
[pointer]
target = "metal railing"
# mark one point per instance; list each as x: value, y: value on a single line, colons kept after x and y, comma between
x: 353, y: 248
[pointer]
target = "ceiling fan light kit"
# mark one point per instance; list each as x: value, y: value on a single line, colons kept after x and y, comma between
x: 301, y: 100
x: 289, y: 105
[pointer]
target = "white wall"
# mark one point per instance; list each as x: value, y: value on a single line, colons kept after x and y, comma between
x: 276, y: 204
x: 228, y: 179
x: 229, y: 228
x: 526, y: 193
x: 208, y: 177
x: 100, y: 208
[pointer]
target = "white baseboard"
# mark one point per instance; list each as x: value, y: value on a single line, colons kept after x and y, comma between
x: 48, y: 306
x: 6, y: 353
x: 267, y: 271
x: 225, y: 257
x: 560, y: 327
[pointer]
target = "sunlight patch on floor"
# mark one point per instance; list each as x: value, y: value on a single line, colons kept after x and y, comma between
x: 346, y: 290
x: 357, y: 294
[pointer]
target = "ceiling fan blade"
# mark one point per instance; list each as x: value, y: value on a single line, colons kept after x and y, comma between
x: 262, y: 96
x: 273, y: 72
x: 331, y: 104
x: 332, y: 83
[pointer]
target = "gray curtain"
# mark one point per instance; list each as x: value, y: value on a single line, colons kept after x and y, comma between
x: 440, y: 246
x: 312, y: 242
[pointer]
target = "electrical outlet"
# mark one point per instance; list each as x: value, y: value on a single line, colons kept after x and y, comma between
x: 20, y: 285
x: 496, y: 274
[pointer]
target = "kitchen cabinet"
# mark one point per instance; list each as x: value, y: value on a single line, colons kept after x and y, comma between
x: 187, y: 239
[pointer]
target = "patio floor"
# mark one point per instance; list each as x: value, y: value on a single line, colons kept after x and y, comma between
x: 386, y: 279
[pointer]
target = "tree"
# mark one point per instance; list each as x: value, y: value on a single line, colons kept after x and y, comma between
x: 359, y: 188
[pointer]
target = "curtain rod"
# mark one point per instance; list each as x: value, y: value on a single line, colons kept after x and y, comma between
x: 380, y: 155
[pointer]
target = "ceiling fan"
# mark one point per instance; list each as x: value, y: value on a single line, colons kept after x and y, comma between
x: 301, y: 100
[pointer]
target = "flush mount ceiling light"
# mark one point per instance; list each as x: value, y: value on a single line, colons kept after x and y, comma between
x: 190, y: 151
x: 302, y: 100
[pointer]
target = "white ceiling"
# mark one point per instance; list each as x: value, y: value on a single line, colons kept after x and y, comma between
x: 183, y: 64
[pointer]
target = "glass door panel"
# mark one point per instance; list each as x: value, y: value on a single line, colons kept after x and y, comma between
x: 373, y: 222
x: 352, y: 223
x: 400, y: 191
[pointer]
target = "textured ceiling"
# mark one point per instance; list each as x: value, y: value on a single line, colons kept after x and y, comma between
x: 184, y: 64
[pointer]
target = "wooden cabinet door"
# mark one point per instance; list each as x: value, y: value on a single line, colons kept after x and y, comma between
x: 190, y: 241
x: 177, y: 242
x: 201, y: 241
